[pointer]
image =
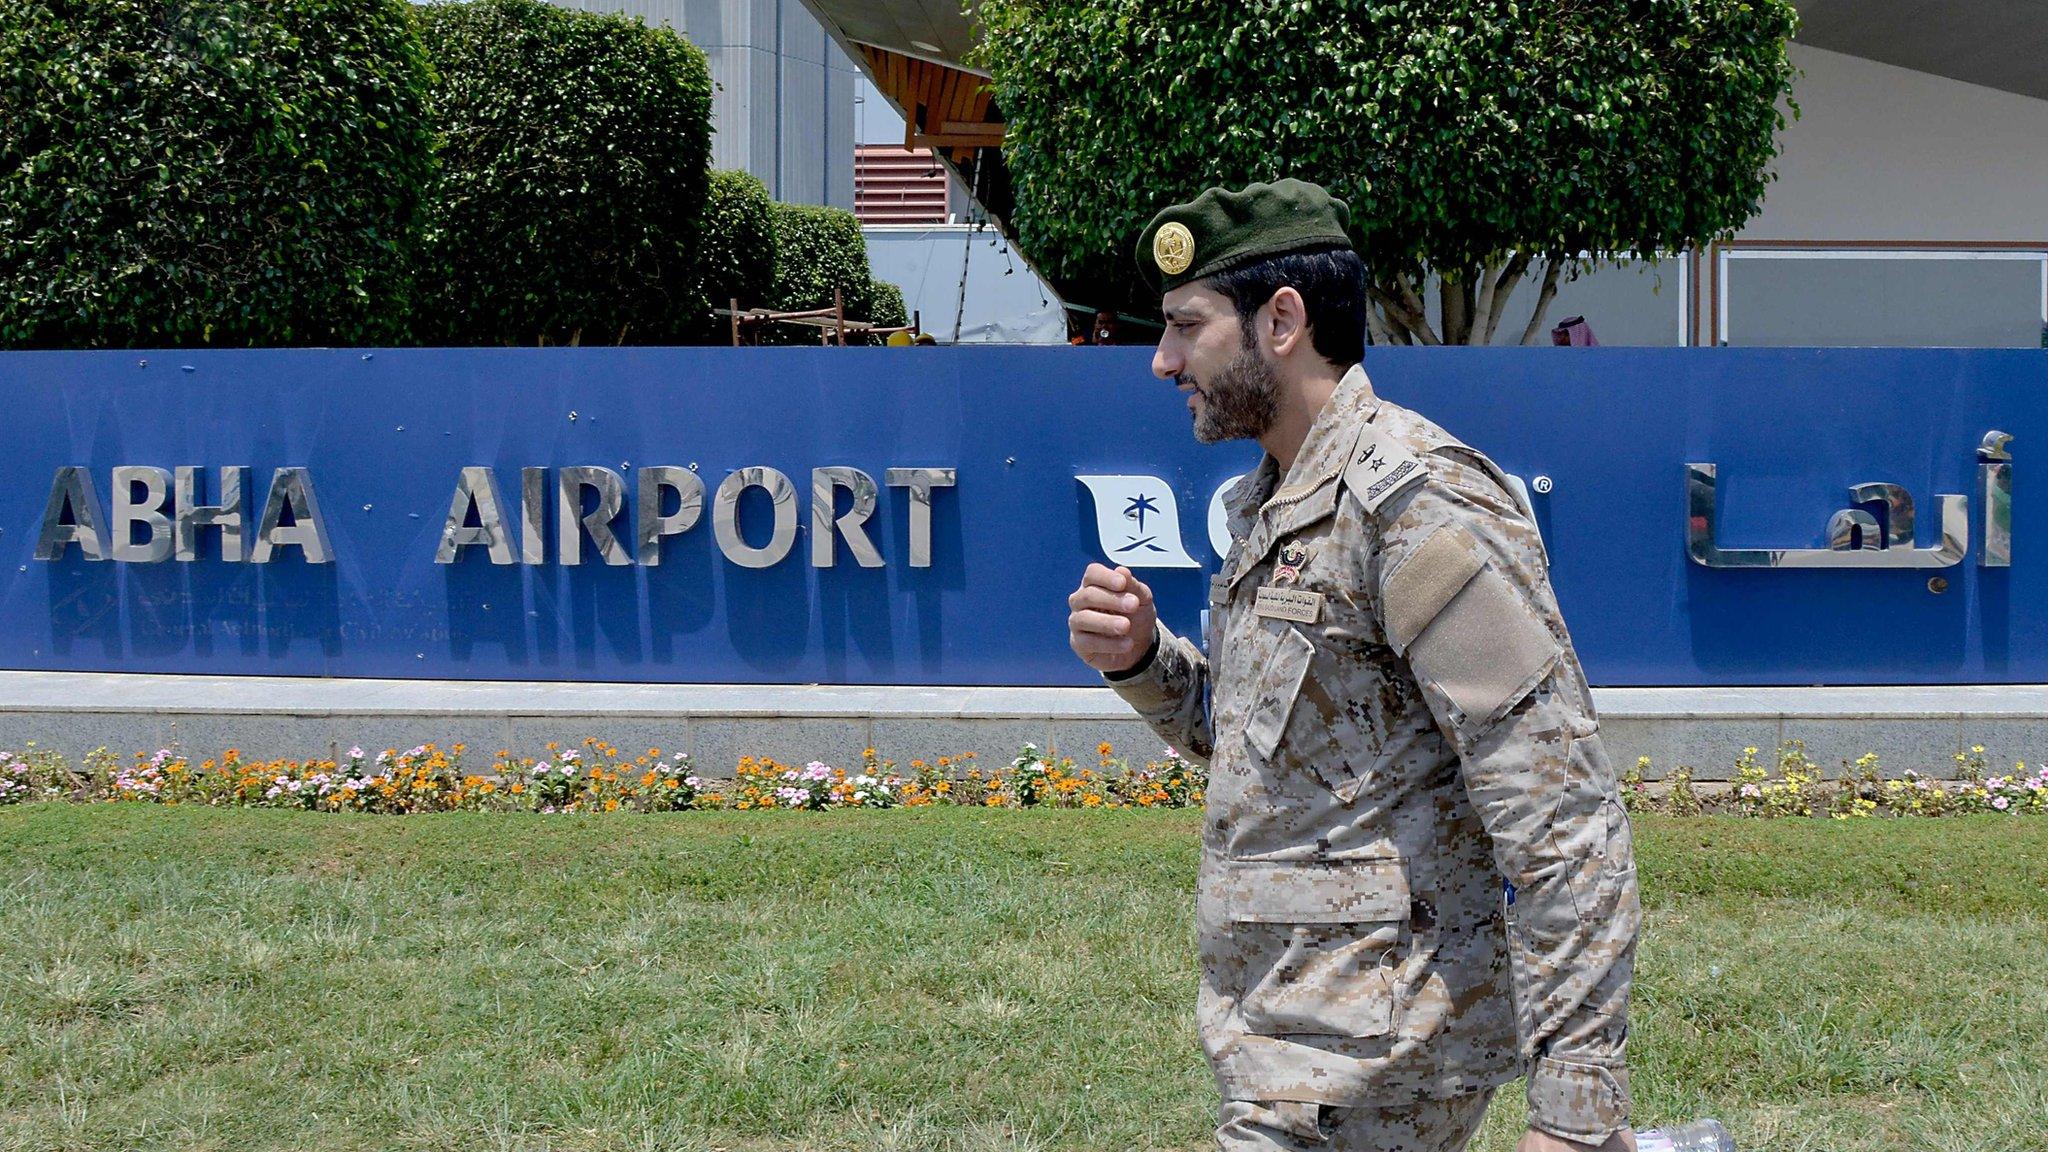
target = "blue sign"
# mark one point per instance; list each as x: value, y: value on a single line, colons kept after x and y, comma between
x: 1714, y: 516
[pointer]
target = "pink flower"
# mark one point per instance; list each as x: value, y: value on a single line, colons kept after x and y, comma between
x: 2001, y: 803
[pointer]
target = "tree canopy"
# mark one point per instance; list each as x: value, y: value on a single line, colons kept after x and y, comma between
x: 1473, y: 139
x: 574, y: 170
x: 233, y: 172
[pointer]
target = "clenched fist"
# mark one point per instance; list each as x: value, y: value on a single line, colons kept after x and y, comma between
x: 1110, y: 619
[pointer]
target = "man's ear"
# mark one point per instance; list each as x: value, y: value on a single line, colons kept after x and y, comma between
x: 1288, y: 320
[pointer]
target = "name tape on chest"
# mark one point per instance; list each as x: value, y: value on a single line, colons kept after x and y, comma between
x: 1288, y: 604
x: 1379, y: 467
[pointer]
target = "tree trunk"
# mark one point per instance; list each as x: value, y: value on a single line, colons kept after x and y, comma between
x: 1502, y: 285
x: 1471, y: 303
x: 1551, y: 266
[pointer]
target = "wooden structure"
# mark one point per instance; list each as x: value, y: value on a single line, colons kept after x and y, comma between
x: 944, y: 109
x: 832, y: 323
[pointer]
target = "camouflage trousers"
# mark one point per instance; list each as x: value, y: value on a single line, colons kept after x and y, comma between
x: 1285, y: 1126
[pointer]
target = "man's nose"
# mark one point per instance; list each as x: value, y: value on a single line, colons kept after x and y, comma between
x: 1165, y: 362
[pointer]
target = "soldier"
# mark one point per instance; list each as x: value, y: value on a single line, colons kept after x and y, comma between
x: 1416, y: 878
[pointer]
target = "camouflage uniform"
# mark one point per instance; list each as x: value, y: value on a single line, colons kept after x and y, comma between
x: 1395, y: 722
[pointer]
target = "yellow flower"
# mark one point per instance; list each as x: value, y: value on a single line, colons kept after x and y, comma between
x: 1103, y: 748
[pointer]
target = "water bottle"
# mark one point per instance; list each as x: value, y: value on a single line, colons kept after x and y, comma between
x: 1693, y: 1136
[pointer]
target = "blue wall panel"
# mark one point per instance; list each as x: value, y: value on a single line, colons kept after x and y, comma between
x: 386, y: 433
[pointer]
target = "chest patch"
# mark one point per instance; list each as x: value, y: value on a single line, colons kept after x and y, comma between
x: 1379, y: 467
x: 1294, y: 604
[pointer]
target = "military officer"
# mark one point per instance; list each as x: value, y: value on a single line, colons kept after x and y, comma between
x: 1416, y: 878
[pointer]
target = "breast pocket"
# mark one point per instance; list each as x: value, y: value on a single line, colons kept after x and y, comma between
x: 1321, y: 944
x: 1274, y: 694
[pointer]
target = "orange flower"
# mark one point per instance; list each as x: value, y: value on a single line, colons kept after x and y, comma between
x: 1103, y: 748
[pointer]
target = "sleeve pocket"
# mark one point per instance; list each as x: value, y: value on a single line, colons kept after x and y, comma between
x: 1483, y: 651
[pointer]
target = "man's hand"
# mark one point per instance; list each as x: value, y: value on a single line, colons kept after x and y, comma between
x: 1110, y: 619
x: 1538, y: 1141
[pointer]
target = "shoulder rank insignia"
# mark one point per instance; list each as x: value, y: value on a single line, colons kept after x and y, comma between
x: 1378, y: 468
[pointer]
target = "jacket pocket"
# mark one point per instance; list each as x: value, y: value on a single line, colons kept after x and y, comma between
x: 1321, y: 944
x: 1273, y: 696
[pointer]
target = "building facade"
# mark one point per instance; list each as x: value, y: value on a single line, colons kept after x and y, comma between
x: 785, y: 97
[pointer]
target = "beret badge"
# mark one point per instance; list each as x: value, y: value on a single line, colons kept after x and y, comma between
x: 1173, y: 248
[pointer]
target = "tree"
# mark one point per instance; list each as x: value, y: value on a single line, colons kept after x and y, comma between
x: 737, y: 258
x: 575, y: 161
x: 1476, y: 141
x: 227, y: 173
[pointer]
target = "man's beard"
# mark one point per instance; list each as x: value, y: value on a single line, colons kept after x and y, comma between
x: 1240, y: 402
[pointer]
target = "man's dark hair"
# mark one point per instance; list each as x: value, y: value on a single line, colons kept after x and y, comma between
x: 1332, y: 286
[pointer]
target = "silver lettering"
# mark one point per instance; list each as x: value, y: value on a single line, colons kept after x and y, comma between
x: 71, y: 486
x: 651, y: 525
x: 148, y: 511
x: 190, y: 515
x: 477, y: 487
x: 826, y: 529
x: 725, y: 517
x: 571, y: 522
x: 921, y: 482
x: 291, y: 489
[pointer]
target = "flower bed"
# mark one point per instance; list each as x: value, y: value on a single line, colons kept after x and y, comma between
x: 600, y: 778
x: 1795, y: 786
x: 597, y: 779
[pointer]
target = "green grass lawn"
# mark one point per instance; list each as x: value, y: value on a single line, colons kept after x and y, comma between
x: 198, y: 978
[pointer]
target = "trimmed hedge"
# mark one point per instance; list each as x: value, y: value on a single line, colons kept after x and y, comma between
x: 888, y: 308
x: 226, y: 172
x: 574, y: 160
x: 738, y: 253
x: 817, y: 249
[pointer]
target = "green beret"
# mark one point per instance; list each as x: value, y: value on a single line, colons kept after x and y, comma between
x: 1221, y: 229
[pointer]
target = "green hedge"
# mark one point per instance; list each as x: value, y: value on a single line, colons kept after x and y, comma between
x: 817, y: 249
x: 226, y: 172
x: 738, y: 252
x: 888, y: 308
x: 574, y: 160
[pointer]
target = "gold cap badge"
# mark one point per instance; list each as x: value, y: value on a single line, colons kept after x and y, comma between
x: 1173, y: 248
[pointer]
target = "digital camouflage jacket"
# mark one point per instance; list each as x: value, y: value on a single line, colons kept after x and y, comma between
x: 1395, y: 724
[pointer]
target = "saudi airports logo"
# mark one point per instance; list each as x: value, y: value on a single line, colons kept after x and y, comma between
x: 1137, y: 521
